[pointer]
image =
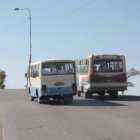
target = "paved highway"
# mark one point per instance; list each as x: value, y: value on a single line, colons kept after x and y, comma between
x: 84, y: 119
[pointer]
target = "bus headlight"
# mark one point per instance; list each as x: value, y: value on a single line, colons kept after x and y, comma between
x: 73, y: 87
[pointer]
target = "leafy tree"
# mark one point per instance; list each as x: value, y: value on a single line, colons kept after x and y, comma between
x: 132, y: 72
x: 2, y: 79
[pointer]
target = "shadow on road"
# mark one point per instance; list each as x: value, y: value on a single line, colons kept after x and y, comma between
x: 93, y: 101
x: 120, y: 98
x: 128, y: 98
x: 1, y: 136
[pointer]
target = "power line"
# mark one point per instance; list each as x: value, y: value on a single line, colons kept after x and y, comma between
x: 68, y: 12
x: 51, y: 17
x: 13, y: 26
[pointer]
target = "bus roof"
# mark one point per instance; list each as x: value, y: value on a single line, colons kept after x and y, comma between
x: 102, y: 55
x: 52, y: 60
x: 107, y: 55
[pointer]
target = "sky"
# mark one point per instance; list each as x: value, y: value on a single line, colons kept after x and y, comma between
x: 67, y: 29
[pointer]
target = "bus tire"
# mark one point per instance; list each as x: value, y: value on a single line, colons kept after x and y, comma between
x: 79, y: 93
x: 29, y: 91
x: 102, y: 95
x: 113, y: 94
x: 88, y: 95
x: 68, y: 99
x: 40, y: 100
x: 32, y: 98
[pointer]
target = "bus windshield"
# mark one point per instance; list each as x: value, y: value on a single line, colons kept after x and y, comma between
x: 107, y: 65
x: 57, y: 68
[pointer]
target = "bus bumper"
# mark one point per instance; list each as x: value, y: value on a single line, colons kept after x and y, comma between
x: 108, y: 87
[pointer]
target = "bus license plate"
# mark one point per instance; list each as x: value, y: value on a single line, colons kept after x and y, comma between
x: 58, y: 84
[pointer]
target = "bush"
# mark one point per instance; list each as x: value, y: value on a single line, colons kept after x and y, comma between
x: 131, y: 73
x: 2, y: 79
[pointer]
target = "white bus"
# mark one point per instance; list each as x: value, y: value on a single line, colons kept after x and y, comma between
x: 101, y: 74
x: 52, y: 79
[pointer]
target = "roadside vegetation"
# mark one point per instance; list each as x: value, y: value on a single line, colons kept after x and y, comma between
x: 131, y: 73
x: 2, y: 79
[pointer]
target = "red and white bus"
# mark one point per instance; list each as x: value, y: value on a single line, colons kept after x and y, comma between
x: 101, y: 74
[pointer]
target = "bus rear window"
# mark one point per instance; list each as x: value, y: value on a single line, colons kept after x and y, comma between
x: 57, y: 68
x: 108, y: 65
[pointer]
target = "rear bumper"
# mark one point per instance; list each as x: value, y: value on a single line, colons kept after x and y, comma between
x: 57, y: 92
x: 108, y: 87
x: 51, y: 91
x: 95, y: 89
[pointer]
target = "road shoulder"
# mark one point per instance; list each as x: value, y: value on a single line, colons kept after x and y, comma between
x: 1, y: 136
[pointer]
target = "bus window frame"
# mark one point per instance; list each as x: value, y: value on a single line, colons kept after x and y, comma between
x: 121, y: 70
x: 58, y: 73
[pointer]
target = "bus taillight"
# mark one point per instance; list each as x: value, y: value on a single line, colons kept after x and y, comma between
x: 73, y: 87
x: 44, y: 88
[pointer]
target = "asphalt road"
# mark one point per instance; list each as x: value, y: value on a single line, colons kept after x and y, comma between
x: 84, y: 119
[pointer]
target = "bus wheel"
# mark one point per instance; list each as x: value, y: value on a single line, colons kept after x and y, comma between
x: 29, y: 91
x: 102, y: 95
x: 113, y: 95
x: 40, y: 100
x: 88, y: 94
x: 79, y: 93
x: 32, y: 98
x: 68, y: 99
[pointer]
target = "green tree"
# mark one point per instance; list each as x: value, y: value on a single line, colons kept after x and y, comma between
x: 2, y: 79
